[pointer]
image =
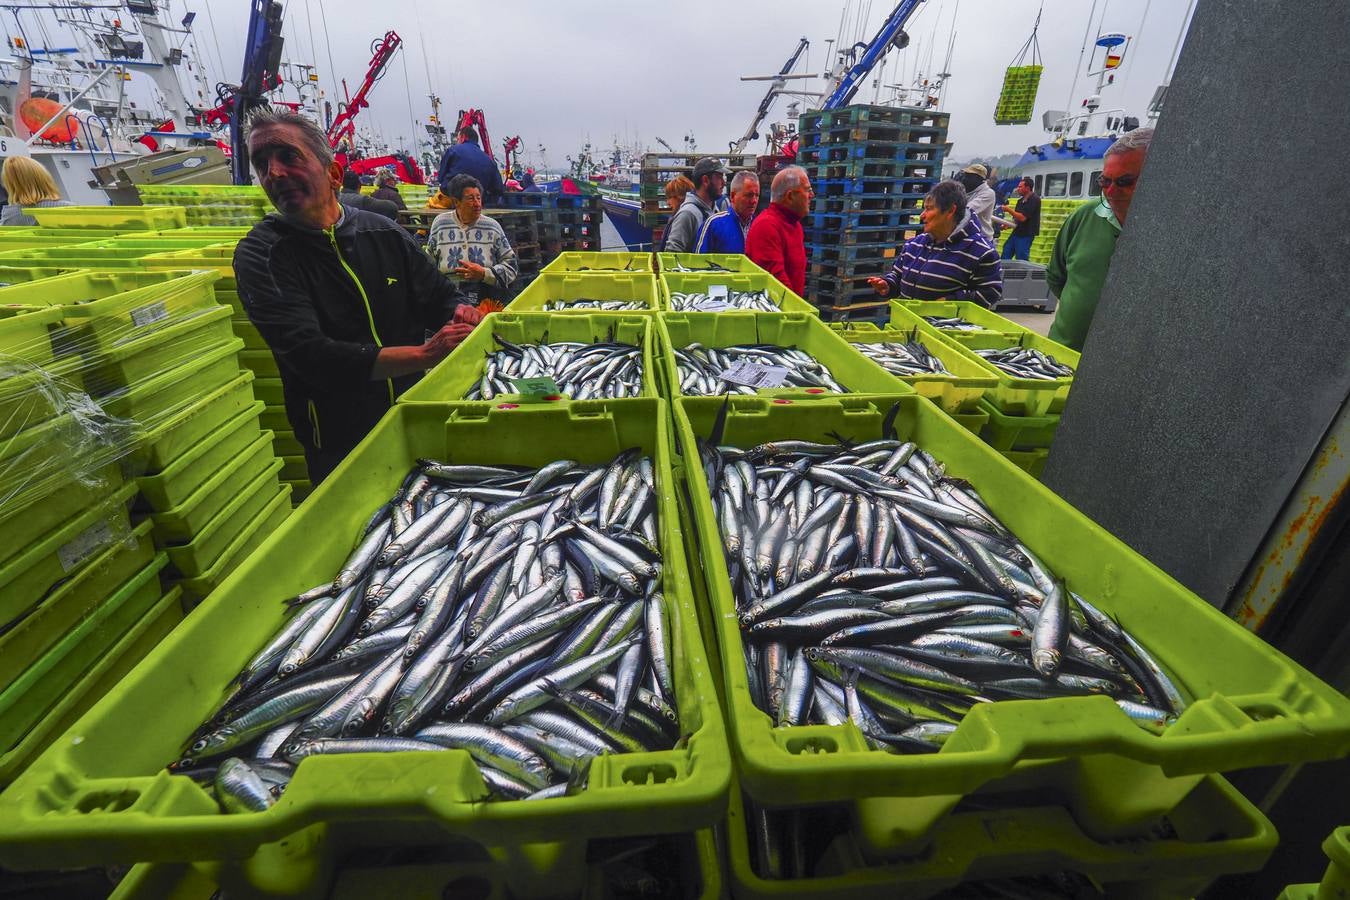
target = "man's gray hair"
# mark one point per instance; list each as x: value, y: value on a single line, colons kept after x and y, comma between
x: 313, y: 135
x: 789, y: 178
x: 741, y: 179
x: 947, y: 195
x: 1139, y: 139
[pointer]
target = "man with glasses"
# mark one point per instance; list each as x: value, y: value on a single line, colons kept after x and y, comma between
x: 1084, y: 246
x: 776, y: 241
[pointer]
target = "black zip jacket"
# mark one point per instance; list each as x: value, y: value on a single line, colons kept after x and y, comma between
x: 326, y: 301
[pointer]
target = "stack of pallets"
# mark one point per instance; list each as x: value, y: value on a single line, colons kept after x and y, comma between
x: 870, y: 167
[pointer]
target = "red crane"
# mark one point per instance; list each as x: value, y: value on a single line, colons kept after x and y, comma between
x: 343, y: 127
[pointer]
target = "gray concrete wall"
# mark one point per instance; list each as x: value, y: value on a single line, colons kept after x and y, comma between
x: 1221, y: 348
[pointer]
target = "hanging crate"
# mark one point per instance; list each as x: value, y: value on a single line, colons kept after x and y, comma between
x: 1017, y: 100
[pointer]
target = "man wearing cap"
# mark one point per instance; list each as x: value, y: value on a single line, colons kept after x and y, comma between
x: 386, y: 188
x: 709, y: 178
x: 980, y: 197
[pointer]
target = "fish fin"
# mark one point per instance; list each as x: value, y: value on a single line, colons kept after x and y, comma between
x: 840, y: 438
x: 720, y: 423
x: 888, y: 424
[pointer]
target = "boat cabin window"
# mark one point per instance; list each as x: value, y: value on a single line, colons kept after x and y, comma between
x: 1076, y: 184
x: 1039, y: 180
x: 1056, y: 184
x: 1094, y: 189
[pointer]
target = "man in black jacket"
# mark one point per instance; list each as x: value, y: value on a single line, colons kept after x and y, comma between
x: 344, y: 298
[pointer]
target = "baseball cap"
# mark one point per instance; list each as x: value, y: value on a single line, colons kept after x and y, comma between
x: 977, y: 169
x: 708, y: 166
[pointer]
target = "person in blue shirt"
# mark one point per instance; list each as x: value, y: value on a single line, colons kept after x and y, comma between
x: 467, y: 158
x: 724, y: 232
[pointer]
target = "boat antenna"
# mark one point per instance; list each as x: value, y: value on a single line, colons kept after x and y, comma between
x: 332, y: 69
x: 1087, y: 30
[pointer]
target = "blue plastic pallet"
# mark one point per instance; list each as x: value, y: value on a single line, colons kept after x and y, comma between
x: 836, y: 152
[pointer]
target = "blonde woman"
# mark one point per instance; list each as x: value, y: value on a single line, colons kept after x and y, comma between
x: 28, y: 184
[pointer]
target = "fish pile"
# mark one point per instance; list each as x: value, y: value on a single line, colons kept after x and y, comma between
x: 598, y: 305
x: 701, y: 368
x: 514, y: 613
x: 872, y: 588
x: 604, y: 370
x: 909, y: 358
x: 1025, y: 362
x: 757, y: 301
x: 952, y: 323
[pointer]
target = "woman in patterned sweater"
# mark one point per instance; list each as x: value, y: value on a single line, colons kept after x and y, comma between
x: 470, y: 248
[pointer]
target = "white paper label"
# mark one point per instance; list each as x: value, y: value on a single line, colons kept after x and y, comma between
x: 88, y: 542
x: 149, y: 314
x: 718, y: 292
x: 714, y: 306
x: 754, y: 375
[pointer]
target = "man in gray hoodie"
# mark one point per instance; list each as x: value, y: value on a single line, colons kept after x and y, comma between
x: 709, y: 178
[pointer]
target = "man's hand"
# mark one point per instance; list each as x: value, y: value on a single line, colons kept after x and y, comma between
x: 467, y: 315
x: 470, y: 270
x: 439, y: 345
x: 880, y: 285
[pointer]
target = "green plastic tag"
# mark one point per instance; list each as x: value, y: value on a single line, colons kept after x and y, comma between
x: 535, y: 389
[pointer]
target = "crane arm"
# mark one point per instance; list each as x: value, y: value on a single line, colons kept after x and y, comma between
x: 774, y: 89
x: 343, y: 125
x: 262, y: 59
x: 892, y: 32
x: 474, y: 118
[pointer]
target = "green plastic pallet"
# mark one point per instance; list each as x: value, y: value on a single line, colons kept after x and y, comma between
x: 190, y: 518
x: 958, y: 392
x: 107, y: 798
x: 684, y: 282
x: 1214, y: 831
x: 553, y: 286
x: 157, y: 400
x: 177, y: 483
x: 805, y: 332
x: 1253, y: 705
x: 84, y: 687
x: 177, y: 434
x: 211, y: 541
x: 249, y: 538
x: 461, y: 371
x: 44, y: 559
x: 736, y: 262
x: 23, y: 643
x: 619, y: 263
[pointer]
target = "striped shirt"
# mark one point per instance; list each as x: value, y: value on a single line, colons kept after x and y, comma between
x: 963, y: 267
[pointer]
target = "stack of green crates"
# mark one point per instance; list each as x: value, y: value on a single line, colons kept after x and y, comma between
x: 211, y: 204
x: 1017, y: 99
x: 1053, y: 215
x: 1335, y: 884
x: 80, y: 593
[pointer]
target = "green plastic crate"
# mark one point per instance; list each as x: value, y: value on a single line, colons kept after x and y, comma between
x: 461, y: 371
x: 906, y: 314
x: 1004, y: 432
x: 1020, y: 396
x: 248, y: 333
x: 35, y: 504
x: 255, y: 490
x: 269, y: 391
x: 553, y: 286
x: 614, y: 262
x: 38, y: 563
x: 805, y: 332
x: 1253, y: 705
x: 11, y: 275
x: 177, y: 434
x: 158, y: 400
x: 285, y: 444
x: 31, y: 395
x: 164, y: 349
x: 1030, y: 461
x: 79, y: 287
x: 84, y: 687
x: 260, y: 362
x: 970, y: 421
x: 958, y: 392
x: 176, y: 484
x: 293, y: 468
x: 274, y: 418
x: 250, y: 537
x: 27, y: 699
x: 189, y: 518
x: 142, y: 813
x: 1213, y: 831
x: 736, y: 262
x: 300, y: 489
x: 142, y: 218
x: 28, y: 335
x: 36, y: 462
x: 684, y: 282
x: 25, y: 642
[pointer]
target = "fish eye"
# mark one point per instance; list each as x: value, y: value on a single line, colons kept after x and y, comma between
x: 200, y: 745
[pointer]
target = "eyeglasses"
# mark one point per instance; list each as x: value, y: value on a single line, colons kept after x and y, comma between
x: 1124, y: 181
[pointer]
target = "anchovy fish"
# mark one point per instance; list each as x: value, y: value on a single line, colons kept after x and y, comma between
x: 701, y: 368
x: 908, y: 358
x: 600, y: 370
x: 1027, y: 362
x: 692, y: 301
x: 600, y: 305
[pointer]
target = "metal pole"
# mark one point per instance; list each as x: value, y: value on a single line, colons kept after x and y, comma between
x: 73, y: 100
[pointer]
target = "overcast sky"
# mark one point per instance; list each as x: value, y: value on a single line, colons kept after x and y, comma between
x: 561, y: 73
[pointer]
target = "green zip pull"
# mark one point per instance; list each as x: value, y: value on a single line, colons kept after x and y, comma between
x: 361, y: 289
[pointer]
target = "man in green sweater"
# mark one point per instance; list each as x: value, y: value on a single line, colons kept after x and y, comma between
x: 1083, y: 248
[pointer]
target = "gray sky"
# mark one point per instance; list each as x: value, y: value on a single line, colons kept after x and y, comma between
x: 558, y: 74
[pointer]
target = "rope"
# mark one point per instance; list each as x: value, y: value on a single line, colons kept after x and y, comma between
x: 1081, y: 50
x: 1033, y: 42
x: 327, y: 42
x: 215, y: 38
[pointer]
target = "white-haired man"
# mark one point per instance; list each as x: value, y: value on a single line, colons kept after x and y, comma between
x: 1086, y: 243
x: 776, y: 242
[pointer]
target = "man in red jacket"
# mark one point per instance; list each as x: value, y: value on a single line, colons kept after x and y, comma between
x: 775, y: 242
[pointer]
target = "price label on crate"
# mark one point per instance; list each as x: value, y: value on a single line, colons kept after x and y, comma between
x: 719, y: 299
x: 88, y: 542
x: 753, y: 375
x: 149, y: 314
x: 535, y: 390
